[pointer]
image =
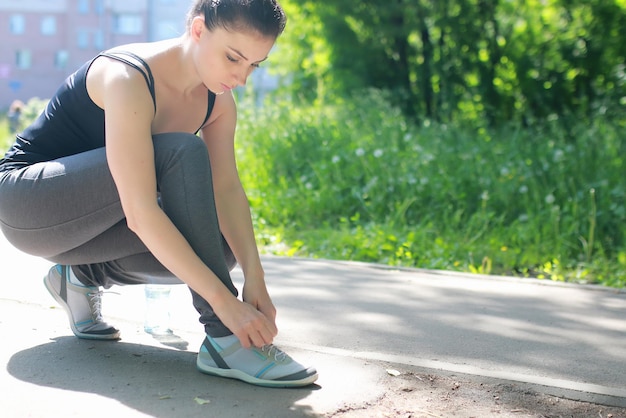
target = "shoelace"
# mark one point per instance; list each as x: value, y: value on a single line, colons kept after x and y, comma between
x: 95, y: 302
x: 272, y: 350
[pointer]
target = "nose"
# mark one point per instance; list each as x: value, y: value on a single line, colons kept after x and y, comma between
x: 241, y: 77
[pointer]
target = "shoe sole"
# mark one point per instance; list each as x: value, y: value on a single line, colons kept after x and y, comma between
x: 65, y: 306
x: 239, y: 375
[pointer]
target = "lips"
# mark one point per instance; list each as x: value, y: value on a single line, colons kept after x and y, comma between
x: 226, y: 88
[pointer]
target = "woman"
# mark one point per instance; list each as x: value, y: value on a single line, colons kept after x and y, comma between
x: 112, y: 183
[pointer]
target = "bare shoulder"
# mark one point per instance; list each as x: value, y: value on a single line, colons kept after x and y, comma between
x: 224, y: 110
x: 106, y: 73
x: 108, y: 76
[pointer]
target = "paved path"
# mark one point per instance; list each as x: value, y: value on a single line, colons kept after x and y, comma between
x: 351, y: 320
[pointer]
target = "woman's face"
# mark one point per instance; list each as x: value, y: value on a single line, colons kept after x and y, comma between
x: 224, y: 58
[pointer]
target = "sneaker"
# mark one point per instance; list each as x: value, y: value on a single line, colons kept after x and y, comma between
x: 82, y: 304
x: 267, y: 366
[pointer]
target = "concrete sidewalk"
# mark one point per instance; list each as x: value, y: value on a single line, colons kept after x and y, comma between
x: 350, y: 320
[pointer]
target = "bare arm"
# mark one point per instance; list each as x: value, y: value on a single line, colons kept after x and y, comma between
x: 130, y: 153
x: 232, y: 203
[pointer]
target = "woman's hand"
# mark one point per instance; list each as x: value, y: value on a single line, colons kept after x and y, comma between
x: 255, y: 293
x: 248, y: 323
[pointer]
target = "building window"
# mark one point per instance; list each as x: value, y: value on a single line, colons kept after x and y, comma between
x: 48, y: 25
x: 83, y: 7
x: 17, y: 24
x: 23, y: 59
x: 128, y: 24
x: 99, y: 7
x: 60, y: 59
x: 98, y: 39
x: 82, y: 39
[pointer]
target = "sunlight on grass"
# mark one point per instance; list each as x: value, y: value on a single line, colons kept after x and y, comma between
x: 6, y: 139
x: 357, y: 181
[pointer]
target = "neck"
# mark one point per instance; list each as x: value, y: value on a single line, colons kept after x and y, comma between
x: 184, y: 75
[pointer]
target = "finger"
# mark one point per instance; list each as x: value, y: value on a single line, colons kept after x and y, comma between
x: 268, y: 311
x: 269, y: 333
x: 273, y: 328
x: 258, y: 340
x: 244, y: 340
x: 270, y: 316
x: 267, y: 320
x: 261, y: 336
x: 270, y: 327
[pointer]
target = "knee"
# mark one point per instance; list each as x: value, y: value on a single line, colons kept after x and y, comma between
x: 178, y: 142
x: 179, y: 149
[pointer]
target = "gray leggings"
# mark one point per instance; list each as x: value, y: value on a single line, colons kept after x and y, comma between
x: 68, y: 211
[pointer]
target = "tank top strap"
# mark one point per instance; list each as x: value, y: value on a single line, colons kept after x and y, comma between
x: 210, y: 104
x: 138, y: 64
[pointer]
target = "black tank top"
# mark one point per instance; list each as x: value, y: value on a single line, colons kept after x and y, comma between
x: 71, y: 122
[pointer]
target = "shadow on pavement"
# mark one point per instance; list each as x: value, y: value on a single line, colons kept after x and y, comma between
x: 170, y: 339
x: 155, y: 381
x: 494, y: 325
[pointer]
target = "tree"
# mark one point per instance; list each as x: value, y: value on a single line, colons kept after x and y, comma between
x: 491, y: 60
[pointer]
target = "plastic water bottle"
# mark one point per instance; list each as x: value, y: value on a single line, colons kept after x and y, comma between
x: 157, y: 315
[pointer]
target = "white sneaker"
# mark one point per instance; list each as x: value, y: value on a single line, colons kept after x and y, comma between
x: 82, y: 304
x: 267, y: 366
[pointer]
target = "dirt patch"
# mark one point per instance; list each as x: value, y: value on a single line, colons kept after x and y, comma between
x: 416, y: 395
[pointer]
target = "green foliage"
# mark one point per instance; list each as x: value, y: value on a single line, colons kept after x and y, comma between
x: 456, y: 60
x: 31, y: 110
x: 5, y: 136
x: 356, y: 180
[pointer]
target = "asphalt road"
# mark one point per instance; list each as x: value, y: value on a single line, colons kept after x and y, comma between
x: 352, y: 321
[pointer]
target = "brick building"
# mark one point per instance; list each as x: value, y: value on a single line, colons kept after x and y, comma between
x: 43, y: 41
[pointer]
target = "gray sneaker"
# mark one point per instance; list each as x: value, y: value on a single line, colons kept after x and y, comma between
x: 267, y: 366
x: 82, y: 304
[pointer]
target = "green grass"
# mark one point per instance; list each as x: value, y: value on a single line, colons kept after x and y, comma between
x: 30, y: 111
x: 6, y: 139
x: 356, y: 181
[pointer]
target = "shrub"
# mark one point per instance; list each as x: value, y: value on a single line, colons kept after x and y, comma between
x: 355, y: 180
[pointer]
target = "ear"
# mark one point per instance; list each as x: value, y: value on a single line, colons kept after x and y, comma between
x: 197, y: 27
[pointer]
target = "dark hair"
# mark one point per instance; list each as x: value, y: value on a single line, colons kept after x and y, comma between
x: 266, y: 17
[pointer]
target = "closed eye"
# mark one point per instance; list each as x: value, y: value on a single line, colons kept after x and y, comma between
x: 235, y: 60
